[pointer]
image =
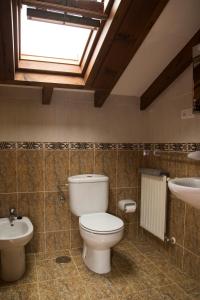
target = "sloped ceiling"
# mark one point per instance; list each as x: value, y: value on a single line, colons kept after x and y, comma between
x: 178, y: 22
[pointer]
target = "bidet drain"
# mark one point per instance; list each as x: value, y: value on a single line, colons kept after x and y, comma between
x: 63, y: 259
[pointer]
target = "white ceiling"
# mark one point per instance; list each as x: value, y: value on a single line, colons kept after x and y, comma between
x: 179, y: 21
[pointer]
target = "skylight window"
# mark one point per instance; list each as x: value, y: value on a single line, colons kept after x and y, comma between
x: 45, y: 41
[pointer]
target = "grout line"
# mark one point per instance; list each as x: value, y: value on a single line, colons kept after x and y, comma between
x: 17, y: 187
x: 160, y: 270
x: 44, y: 199
x: 166, y: 274
x: 83, y: 283
x: 184, y: 227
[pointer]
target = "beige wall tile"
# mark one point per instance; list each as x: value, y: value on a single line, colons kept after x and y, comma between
x: 56, y: 168
x: 106, y: 163
x: 32, y: 205
x: 30, y: 170
x: 192, y: 229
x: 37, y: 244
x: 176, y: 255
x: 57, y: 213
x: 176, y: 219
x: 181, y: 165
x: 81, y: 162
x: 193, y: 167
x: 76, y: 240
x: 58, y: 240
x: 8, y: 171
x: 191, y: 264
x: 112, y: 202
x: 127, y: 169
x: 74, y: 221
x: 7, y: 201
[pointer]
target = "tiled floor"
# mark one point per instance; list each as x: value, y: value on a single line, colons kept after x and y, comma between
x: 138, y: 272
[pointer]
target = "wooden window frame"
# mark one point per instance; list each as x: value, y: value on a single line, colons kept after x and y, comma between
x: 56, y: 68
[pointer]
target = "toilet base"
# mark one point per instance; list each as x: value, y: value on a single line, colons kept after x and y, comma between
x: 12, y: 263
x: 97, y: 261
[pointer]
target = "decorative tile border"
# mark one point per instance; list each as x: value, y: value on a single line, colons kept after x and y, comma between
x: 56, y: 146
x: 164, y: 147
x: 127, y: 146
x: 149, y: 146
x: 7, y: 145
x: 161, y: 147
x: 30, y: 146
x: 193, y: 147
x: 106, y: 146
x: 178, y: 147
x: 81, y: 146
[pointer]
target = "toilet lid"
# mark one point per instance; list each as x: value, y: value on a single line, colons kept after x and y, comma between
x: 101, y: 222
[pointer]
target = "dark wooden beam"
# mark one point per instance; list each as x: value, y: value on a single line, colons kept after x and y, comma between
x: 100, y: 97
x: 131, y: 23
x: 47, y: 92
x: 42, y: 15
x: 181, y: 61
x: 7, y: 52
x: 90, y: 9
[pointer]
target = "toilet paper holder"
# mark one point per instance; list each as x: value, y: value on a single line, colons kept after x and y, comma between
x: 127, y: 205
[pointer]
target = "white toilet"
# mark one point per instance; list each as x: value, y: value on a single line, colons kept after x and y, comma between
x: 88, y: 198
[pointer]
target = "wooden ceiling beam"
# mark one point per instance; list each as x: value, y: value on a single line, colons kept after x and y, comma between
x: 47, y: 92
x: 7, y: 52
x: 100, y: 97
x: 90, y: 9
x: 181, y: 61
x: 131, y: 24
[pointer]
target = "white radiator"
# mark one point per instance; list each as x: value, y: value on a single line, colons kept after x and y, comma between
x: 153, y: 204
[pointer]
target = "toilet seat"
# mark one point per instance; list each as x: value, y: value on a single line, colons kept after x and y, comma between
x: 101, y: 223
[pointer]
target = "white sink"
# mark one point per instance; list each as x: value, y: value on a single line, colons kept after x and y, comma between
x: 186, y: 189
x: 13, y: 238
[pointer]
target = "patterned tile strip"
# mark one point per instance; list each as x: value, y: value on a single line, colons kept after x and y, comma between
x: 171, y: 147
x: 105, y: 146
x: 7, y: 145
x: 127, y: 146
x: 81, y: 146
x: 178, y: 147
x: 30, y: 145
x: 56, y: 146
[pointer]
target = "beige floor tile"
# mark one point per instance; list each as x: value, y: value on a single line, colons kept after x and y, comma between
x: 20, y: 292
x: 172, y: 292
x: 51, y: 255
x: 49, y: 270
x: 63, y: 289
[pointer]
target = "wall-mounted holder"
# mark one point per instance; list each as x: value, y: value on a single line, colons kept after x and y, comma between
x: 171, y: 240
x: 127, y: 206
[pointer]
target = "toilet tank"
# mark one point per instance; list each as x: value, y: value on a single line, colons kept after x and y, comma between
x: 88, y: 193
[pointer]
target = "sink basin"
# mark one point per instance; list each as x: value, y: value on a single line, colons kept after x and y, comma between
x: 16, y: 235
x: 12, y: 241
x: 186, y: 189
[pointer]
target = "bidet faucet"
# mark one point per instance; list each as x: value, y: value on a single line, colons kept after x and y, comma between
x: 12, y: 216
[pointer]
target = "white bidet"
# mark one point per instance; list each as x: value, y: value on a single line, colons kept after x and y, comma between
x: 13, y: 238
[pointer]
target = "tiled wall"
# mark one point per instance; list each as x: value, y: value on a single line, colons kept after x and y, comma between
x: 183, y: 220
x: 31, y: 172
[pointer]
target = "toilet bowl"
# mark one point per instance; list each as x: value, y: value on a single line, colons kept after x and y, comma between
x: 88, y: 199
x: 100, y: 232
